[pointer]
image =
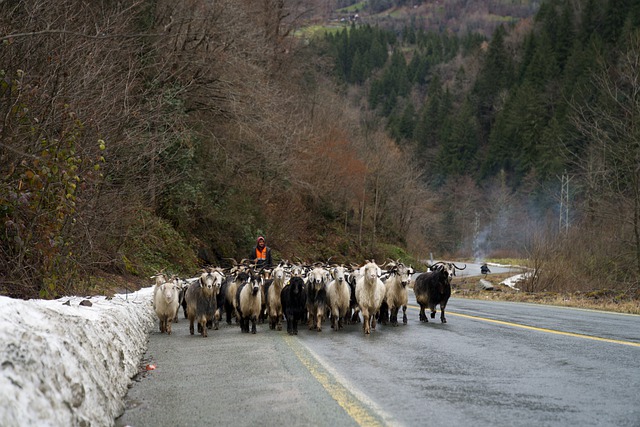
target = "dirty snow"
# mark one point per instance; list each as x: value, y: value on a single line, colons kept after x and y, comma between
x: 69, y: 365
x: 514, y: 280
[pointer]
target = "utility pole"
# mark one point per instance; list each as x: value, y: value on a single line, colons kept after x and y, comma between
x: 476, y: 235
x: 564, y: 203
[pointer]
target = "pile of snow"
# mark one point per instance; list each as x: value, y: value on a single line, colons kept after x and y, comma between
x: 63, y: 363
x: 514, y: 280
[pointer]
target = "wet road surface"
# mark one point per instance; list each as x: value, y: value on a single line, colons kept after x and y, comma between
x: 492, y: 364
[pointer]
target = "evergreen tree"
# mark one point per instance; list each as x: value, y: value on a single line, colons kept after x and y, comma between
x: 589, y: 20
x: 614, y: 19
x: 529, y: 50
x: 414, y: 67
x: 398, y: 73
x: 359, y: 69
x: 389, y: 103
x: 378, y: 51
x: 564, y: 36
x: 409, y: 35
x: 432, y: 115
x: 343, y: 55
x: 578, y: 86
x: 457, y: 155
x: 543, y: 67
x: 550, y: 160
x: 406, y: 123
x: 495, y: 76
x: 375, y: 94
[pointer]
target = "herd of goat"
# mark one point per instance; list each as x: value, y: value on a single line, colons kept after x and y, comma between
x: 298, y: 293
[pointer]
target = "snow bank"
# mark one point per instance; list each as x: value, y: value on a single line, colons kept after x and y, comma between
x: 70, y: 365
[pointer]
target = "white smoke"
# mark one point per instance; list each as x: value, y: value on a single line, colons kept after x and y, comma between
x: 482, y: 244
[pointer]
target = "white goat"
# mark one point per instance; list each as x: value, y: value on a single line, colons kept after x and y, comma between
x: 159, y: 279
x: 370, y: 293
x: 338, y: 297
x: 274, y: 302
x: 396, y: 291
x: 298, y: 271
x: 182, y: 286
x: 166, y: 303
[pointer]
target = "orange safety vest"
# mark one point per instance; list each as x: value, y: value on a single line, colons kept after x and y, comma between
x: 261, y: 255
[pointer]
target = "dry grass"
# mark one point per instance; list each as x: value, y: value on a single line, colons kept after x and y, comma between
x: 111, y: 284
x: 605, y: 300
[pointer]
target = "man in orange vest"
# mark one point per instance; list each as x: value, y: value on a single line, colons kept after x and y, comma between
x: 261, y: 254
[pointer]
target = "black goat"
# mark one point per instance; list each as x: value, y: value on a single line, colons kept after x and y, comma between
x: 294, y: 303
x: 353, y: 315
x: 433, y: 288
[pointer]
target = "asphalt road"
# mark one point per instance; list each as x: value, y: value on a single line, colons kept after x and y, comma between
x: 473, y: 269
x: 492, y: 364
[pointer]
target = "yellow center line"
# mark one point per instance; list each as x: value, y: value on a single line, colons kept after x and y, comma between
x: 533, y: 328
x: 356, y: 409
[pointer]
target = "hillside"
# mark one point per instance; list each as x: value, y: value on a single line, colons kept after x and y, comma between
x: 457, y: 16
x: 522, y: 137
x: 140, y: 136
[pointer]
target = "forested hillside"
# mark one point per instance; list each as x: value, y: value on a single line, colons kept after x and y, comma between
x: 136, y: 136
x: 139, y: 136
x: 529, y: 136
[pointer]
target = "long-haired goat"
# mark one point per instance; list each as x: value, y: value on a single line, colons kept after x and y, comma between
x: 220, y: 277
x: 239, y: 275
x: 432, y: 288
x: 166, y: 304
x: 396, y: 292
x: 182, y: 286
x: 159, y: 279
x: 451, y: 269
x: 338, y: 297
x: 274, y: 301
x: 267, y: 278
x: 294, y: 303
x: 317, y: 282
x: 249, y: 302
x: 201, y: 300
x: 370, y: 293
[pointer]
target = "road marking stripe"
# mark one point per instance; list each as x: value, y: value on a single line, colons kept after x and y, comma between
x: 533, y: 328
x: 363, y: 411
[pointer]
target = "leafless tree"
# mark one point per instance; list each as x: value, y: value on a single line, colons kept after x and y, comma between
x: 611, y: 164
